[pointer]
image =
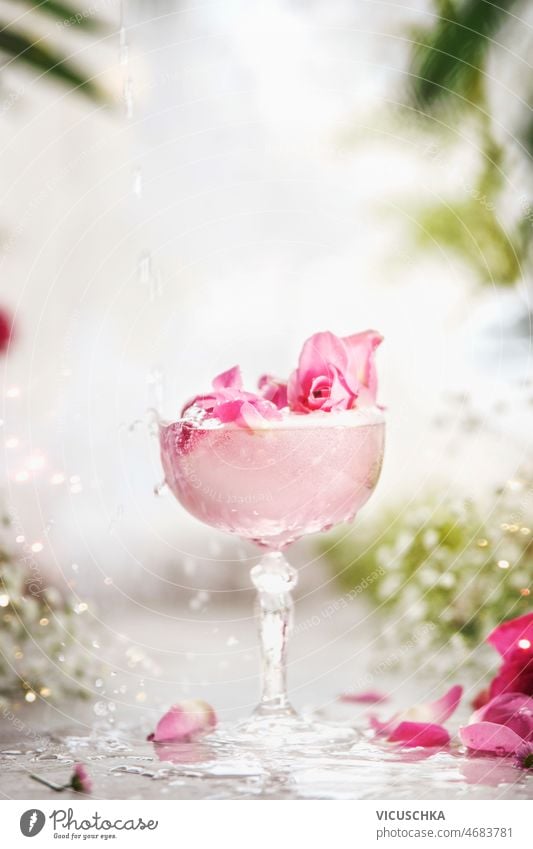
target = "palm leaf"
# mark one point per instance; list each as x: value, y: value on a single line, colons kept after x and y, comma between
x: 46, y: 59
x: 450, y: 58
x: 70, y: 15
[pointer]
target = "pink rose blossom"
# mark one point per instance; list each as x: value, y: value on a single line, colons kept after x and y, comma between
x: 334, y: 373
x: 184, y: 721
x: 514, y: 641
x: 81, y: 781
x: 421, y: 725
x: 228, y: 402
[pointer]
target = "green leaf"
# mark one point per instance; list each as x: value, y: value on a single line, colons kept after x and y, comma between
x: 472, y: 230
x: 450, y: 58
x: 85, y: 18
x: 46, y: 59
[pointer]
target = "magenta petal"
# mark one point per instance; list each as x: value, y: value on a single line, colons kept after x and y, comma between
x: 230, y: 379
x: 442, y: 708
x: 506, y: 636
x: 426, y: 734
x: 184, y: 721
x: 491, y: 737
x: 367, y: 697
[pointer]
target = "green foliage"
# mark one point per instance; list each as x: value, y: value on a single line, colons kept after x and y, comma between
x: 45, y: 57
x: 449, y: 59
x: 448, y: 86
x: 441, y: 563
x: 43, y: 641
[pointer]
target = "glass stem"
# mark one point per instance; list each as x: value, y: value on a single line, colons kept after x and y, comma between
x: 274, y: 579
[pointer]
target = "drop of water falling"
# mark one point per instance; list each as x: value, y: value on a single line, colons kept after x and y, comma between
x: 159, y: 488
x: 127, y: 96
x: 123, y: 51
x: 156, y: 383
x: 100, y: 709
x: 138, y: 182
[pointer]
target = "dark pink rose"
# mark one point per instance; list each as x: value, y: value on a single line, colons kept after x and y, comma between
x: 514, y: 641
x: 6, y: 330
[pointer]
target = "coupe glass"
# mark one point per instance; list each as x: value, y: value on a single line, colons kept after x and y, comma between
x: 272, y: 485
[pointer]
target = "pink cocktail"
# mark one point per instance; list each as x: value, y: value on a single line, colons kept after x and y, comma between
x: 293, y: 458
x: 274, y: 484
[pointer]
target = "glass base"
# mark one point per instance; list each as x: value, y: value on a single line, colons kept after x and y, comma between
x: 286, y: 733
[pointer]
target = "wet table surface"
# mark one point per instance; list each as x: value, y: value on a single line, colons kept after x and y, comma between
x: 123, y: 765
x: 218, y: 662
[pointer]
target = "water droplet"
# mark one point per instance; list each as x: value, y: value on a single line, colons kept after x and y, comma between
x: 123, y: 51
x: 138, y: 182
x: 127, y: 94
x: 232, y: 641
x: 159, y: 488
x: 100, y: 709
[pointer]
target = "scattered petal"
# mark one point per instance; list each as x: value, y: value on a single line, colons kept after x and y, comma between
x: 184, y: 721
x: 426, y: 734
x: 368, y: 697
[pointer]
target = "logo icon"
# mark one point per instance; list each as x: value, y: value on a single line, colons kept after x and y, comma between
x: 32, y: 822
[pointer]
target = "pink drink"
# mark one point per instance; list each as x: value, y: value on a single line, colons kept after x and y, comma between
x: 274, y: 484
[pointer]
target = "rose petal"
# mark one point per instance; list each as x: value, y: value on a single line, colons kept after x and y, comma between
x: 514, y: 710
x: 505, y: 637
x: 230, y: 379
x: 429, y: 712
x: 367, y: 697
x: 273, y: 390
x: 183, y: 722
x: 362, y: 369
x: 491, y: 737
x: 426, y: 734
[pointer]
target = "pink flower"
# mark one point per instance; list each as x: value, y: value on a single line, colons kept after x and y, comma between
x: 6, y: 330
x: 81, y: 781
x: 334, y: 373
x: 502, y: 727
x: 514, y: 641
x: 273, y: 390
x: 184, y: 721
x: 228, y: 402
x: 421, y: 725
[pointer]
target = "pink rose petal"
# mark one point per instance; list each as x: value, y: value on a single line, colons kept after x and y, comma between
x: 426, y: 734
x: 273, y: 390
x: 230, y: 379
x: 367, y: 697
x: 506, y: 637
x: 492, y: 738
x: 183, y: 722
